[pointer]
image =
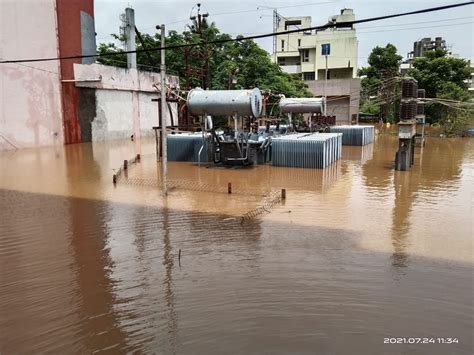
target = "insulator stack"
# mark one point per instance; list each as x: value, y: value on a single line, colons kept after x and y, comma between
x: 408, y: 109
x: 409, y: 88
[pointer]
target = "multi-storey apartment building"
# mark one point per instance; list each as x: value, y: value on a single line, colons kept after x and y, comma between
x: 326, y: 60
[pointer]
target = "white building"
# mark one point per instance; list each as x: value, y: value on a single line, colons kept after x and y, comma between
x: 302, y: 53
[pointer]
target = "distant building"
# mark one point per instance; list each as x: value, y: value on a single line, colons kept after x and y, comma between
x: 427, y: 44
x: 420, y: 48
x: 305, y: 53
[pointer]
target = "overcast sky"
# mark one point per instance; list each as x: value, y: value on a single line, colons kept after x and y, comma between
x: 254, y: 17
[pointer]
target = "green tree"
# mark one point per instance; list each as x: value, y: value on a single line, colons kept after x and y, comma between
x: 444, y: 78
x: 230, y: 65
x: 379, y: 88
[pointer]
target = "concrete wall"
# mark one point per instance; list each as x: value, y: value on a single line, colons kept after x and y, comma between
x: 113, y: 118
x: 121, y: 101
x: 343, y: 97
x: 30, y: 101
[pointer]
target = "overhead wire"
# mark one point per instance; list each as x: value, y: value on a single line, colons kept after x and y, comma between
x: 416, y: 28
x: 221, y: 41
x: 419, y: 22
x: 385, y: 26
x: 259, y: 8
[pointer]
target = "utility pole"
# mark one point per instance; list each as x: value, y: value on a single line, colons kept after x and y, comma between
x: 275, y: 29
x: 164, y: 151
x: 205, y: 52
x: 130, y: 38
x: 130, y: 45
x: 325, y: 84
x: 326, y: 51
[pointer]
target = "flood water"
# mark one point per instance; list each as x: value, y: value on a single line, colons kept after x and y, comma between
x: 356, y: 253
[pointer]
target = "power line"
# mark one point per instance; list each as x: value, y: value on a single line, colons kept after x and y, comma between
x: 384, y: 26
x: 388, y: 30
x: 361, y: 28
x: 416, y: 28
x: 260, y: 8
x: 221, y: 41
x: 419, y: 22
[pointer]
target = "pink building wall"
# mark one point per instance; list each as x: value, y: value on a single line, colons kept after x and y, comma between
x: 30, y: 98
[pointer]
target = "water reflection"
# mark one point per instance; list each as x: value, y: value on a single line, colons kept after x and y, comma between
x: 95, y: 274
x: 318, y: 180
x: 436, y: 172
x: 378, y: 172
x: 168, y: 261
x: 144, y: 243
x: 360, y: 154
x: 93, y: 263
x: 400, y: 219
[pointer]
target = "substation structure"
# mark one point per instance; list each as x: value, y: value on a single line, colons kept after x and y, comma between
x: 247, y: 142
x: 411, y: 127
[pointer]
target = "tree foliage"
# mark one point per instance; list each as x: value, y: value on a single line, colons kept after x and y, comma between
x: 436, y: 72
x: 444, y: 77
x: 382, y: 60
x: 378, y: 94
x: 230, y: 65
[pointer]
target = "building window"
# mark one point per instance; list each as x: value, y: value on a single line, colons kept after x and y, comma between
x: 282, y: 45
x: 308, y: 76
x: 299, y: 42
x: 281, y: 61
x: 305, y: 55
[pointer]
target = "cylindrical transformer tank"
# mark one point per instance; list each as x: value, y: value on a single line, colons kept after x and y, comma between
x: 225, y: 102
x: 303, y: 105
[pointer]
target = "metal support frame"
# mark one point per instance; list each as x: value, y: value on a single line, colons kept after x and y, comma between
x: 405, y: 156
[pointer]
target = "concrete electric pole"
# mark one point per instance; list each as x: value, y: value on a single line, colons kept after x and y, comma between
x: 130, y: 38
x: 164, y: 152
x: 130, y: 46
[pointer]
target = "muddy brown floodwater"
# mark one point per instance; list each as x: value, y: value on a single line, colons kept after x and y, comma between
x: 355, y: 254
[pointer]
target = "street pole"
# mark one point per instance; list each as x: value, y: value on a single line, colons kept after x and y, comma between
x: 132, y: 66
x: 164, y: 152
x: 130, y: 45
x: 325, y: 83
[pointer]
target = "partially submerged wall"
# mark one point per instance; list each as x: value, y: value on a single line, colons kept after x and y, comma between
x: 55, y: 102
x: 30, y: 109
x: 111, y: 98
x: 343, y: 97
